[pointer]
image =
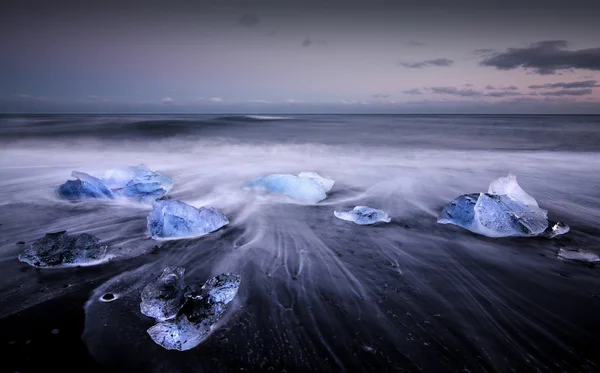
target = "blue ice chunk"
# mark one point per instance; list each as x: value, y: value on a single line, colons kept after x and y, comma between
x: 138, y: 183
x: 494, y: 216
x: 195, y: 320
x: 165, y: 296
x: 175, y: 219
x: 299, y: 188
x: 326, y: 183
x: 363, y: 215
x: 86, y: 186
x: 59, y: 249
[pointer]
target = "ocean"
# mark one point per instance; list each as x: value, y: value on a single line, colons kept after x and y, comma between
x: 318, y: 294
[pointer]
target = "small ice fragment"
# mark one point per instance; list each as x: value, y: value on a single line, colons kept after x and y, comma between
x: 138, y: 183
x: 194, y: 321
x: 326, y: 183
x: 556, y: 230
x: 579, y: 255
x: 363, y: 215
x: 86, y: 186
x: 59, y: 249
x: 299, y: 188
x: 175, y: 219
x: 164, y: 297
x: 508, y: 186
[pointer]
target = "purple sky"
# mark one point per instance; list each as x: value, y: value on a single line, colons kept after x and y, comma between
x: 300, y: 56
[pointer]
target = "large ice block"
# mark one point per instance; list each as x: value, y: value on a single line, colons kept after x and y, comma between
x: 59, y: 249
x: 299, y: 188
x: 85, y: 187
x: 176, y: 219
x: 326, y: 183
x: 138, y: 183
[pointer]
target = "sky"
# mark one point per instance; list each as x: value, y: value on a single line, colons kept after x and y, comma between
x: 292, y: 56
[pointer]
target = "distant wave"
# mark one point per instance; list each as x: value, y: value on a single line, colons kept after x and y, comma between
x: 252, y: 118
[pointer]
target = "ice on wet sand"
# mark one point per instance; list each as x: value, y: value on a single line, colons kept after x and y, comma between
x: 506, y: 210
x: 59, y: 249
x: 85, y: 187
x: 307, y: 186
x: 363, y: 215
x: 176, y: 219
x: 196, y: 318
x: 164, y: 297
x: 579, y: 255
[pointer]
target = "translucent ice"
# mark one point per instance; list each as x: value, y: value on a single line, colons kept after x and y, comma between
x: 175, y: 219
x: 59, y: 249
x: 579, y: 255
x: 164, y: 297
x: 556, y: 229
x: 510, y: 213
x: 86, y: 186
x: 194, y: 321
x: 138, y: 183
x: 299, y: 188
x: 508, y: 186
x: 363, y: 215
x: 326, y: 183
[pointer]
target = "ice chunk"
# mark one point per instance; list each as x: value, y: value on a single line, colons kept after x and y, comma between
x: 164, y: 297
x: 508, y: 186
x: 59, y: 249
x: 556, y: 229
x: 138, y: 183
x: 494, y: 216
x: 194, y: 322
x: 326, y: 183
x: 299, y: 188
x: 175, y: 219
x: 363, y: 215
x: 86, y: 186
x: 579, y: 255
x: 502, y: 216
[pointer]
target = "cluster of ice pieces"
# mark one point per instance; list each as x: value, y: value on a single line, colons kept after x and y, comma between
x: 307, y: 186
x: 138, y: 183
x: 363, y: 215
x: 185, y: 315
x: 59, y: 250
x: 505, y: 210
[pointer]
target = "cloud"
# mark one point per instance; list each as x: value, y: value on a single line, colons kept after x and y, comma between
x: 503, y: 94
x: 580, y: 84
x: 569, y: 92
x: 455, y: 91
x: 490, y: 87
x: 511, y: 88
x: 249, y: 20
x: 216, y: 100
x: 545, y: 58
x: 167, y: 100
x: 468, y: 85
x: 306, y: 42
x: 483, y: 51
x: 381, y: 95
x: 290, y: 100
x: 354, y: 102
x: 414, y: 43
x: 418, y: 65
x: 414, y: 91
x: 258, y: 101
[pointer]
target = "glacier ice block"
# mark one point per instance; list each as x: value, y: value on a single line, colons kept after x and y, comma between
x: 138, y: 183
x: 176, y: 219
x: 298, y: 188
x: 363, y: 215
x: 164, y: 297
x: 85, y: 187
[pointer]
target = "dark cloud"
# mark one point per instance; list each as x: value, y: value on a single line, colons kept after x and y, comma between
x: 484, y: 52
x: 306, y: 42
x: 569, y: 85
x: 545, y: 57
x: 414, y: 91
x: 418, y: 65
x: 569, y: 92
x: 413, y: 43
x: 249, y: 20
x: 381, y: 95
x: 503, y: 94
x: 456, y: 92
x: 511, y: 88
x: 490, y: 87
x: 468, y: 85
